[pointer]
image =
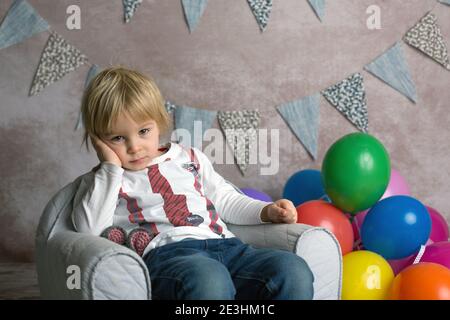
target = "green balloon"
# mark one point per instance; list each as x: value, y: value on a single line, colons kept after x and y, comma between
x: 356, y: 172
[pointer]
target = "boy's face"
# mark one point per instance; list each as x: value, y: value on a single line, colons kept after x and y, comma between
x: 136, y: 144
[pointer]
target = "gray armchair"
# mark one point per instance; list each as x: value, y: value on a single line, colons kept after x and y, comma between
x: 111, y: 271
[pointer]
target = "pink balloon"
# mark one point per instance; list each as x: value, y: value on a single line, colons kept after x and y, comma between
x: 439, y: 226
x: 438, y: 252
x: 397, y: 186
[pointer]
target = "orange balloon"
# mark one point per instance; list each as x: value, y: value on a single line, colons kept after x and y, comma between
x: 323, y: 214
x: 422, y: 281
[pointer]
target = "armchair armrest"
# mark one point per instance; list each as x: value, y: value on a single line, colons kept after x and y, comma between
x: 271, y: 235
x: 107, y: 270
x: 317, y: 246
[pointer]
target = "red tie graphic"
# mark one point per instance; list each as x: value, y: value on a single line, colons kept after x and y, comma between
x: 136, y: 215
x: 175, y: 205
x: 214, y: 226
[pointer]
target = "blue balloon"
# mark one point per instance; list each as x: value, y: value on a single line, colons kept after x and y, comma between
x: 304, y: 186
x: 396, y: 227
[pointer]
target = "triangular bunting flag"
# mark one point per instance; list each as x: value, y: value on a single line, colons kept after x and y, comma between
x: 196, y: 121
x: 129, y: 8
x: 391, y: 67
x: 319, y: 7
x: 21, y: 22
x: 261, y: 10
x: 93, y: 71
x: 445, y: 1
x: 426, y: 37
x: 302, y: 116
x: 240, y: 129
x: 349, y: 97
x: 58, y: 59
x: 193, y: 10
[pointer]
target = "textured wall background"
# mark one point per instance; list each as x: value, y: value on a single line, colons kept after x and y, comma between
x: 226, y: 64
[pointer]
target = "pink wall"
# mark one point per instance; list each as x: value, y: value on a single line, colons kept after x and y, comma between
x: 226, y: 64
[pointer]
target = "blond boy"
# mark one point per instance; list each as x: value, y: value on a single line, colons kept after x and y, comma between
x: 175, y: 194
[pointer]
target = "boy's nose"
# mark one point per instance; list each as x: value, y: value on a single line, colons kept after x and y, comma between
x: 134, y: 148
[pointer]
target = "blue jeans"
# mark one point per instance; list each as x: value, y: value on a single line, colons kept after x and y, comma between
x: 226, y: 269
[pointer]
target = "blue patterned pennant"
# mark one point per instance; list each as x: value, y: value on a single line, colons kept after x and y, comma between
x: 349, y: 98
x: 240, y: 129
x: 196, y: 121
x: 58, y: 59
x: 129, y: 8
x: 193, y: 10
x: 261, y: 10
x: 21, y: 22
x: 93, y: 71
x: 319, y: 8
x: 426, y: 36
x: 391, y: 67
x: 302, y: 116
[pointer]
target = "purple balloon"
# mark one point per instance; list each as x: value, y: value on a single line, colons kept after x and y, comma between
x: 438, y: 252
x: 439, y: 226
x: 255, y: 194
x: 398, y: 265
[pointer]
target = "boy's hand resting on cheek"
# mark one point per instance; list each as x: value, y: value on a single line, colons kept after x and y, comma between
x: 104, y: 152
x: 281, y: 211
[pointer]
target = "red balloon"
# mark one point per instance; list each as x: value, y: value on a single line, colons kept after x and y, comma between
x: 323, y: 214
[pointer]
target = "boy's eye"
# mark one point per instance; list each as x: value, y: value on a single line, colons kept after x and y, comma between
x: 117, y: 139
x: 144, y: 131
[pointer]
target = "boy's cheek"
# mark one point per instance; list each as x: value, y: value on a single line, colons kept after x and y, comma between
x: 112, y: 146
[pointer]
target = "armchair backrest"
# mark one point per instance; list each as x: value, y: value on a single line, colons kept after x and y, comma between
x: 56, y: 215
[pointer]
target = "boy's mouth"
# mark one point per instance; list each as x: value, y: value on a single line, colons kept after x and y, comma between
x: 138, y: 160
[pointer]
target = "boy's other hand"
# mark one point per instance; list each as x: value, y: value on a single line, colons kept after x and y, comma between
x: 104, y: 152
x: 281, y: 211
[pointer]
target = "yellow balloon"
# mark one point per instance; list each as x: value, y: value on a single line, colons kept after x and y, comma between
x: 367, y: 276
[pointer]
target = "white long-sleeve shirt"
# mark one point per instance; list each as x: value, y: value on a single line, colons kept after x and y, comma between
x: 178, y: 195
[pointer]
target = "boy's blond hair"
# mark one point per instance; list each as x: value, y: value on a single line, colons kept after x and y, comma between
x: 118, y: 90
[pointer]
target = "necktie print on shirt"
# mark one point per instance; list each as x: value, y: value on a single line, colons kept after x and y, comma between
x: 175, y: 205
x: 213, y: 215
x: 134, y: 209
